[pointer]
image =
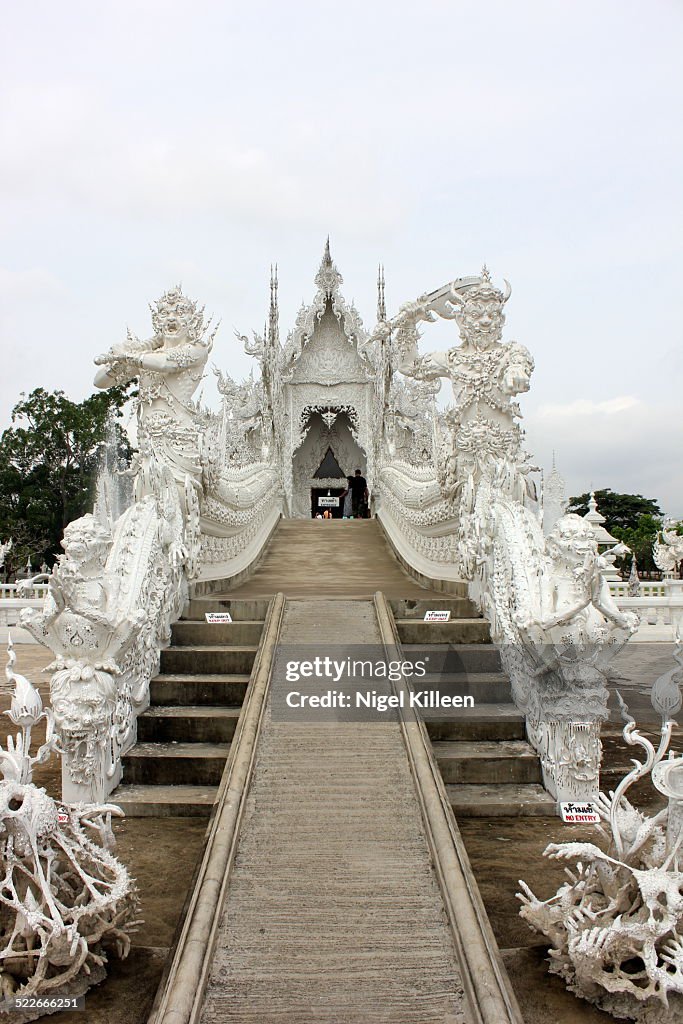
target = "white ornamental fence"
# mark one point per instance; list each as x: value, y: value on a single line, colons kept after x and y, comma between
x: 657, y: 604
x: 14, y: 597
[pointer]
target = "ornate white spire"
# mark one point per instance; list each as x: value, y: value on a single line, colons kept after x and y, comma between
x: 328, y: 279
x: 381, y: 303
x: 554, y: 499
x: 273, y: 312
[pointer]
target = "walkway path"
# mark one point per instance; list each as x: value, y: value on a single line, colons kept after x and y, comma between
x: 333, y: 914
x: 325, y: 558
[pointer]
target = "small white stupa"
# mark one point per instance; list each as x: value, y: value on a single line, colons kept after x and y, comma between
x: 604, y: 537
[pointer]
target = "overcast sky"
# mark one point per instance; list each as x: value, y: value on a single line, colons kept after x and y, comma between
x: 144, y: 143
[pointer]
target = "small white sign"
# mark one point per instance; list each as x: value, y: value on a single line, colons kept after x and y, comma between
x: 218, y: 616
x: 62, y: 818
x: 437, y: 616
x: 579, y: 813
x: 328, y: 501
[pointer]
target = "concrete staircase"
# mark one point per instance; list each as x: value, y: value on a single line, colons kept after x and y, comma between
x: 184, y: 736
x: 487, y: 765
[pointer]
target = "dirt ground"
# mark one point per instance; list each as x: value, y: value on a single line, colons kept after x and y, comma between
x: 160, y: 853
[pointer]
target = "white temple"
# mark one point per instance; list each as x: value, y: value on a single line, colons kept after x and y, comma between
x: 455, y: 497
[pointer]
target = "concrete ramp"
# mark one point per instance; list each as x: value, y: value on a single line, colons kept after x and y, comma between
x: 333, y: 914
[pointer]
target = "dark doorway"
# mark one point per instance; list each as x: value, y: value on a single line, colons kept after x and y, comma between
x: 323, y: 498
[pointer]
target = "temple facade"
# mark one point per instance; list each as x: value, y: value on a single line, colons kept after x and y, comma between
x: 328, y: 388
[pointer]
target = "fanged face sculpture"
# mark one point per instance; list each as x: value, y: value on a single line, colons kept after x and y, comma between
x: 480, y: 316
x: 177, y: 318
x: 86, y: 541
x: 572, y: 541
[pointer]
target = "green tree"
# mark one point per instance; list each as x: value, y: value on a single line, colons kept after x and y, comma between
x: 640, y: 539
x: 48, y: 466
x: 620, y: 510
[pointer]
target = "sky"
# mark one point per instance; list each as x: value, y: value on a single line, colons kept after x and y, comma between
x: 148, y: 143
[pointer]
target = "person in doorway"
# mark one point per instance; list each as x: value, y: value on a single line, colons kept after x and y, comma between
x: 346, y: 498
x: 359, y: 494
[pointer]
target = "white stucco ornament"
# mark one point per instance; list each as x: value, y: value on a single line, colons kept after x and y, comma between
x: 454, y: 489
x: 616, y: 925
x: 66, y: 903
x: 667, y: 550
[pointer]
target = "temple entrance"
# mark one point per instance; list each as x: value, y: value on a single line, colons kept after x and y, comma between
x: 328, y: 455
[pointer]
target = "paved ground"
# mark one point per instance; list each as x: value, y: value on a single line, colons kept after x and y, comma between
x: 334, y: 914
x: 325, y: 558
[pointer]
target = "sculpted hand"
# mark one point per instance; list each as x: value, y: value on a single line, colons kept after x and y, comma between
x: 515, y: 380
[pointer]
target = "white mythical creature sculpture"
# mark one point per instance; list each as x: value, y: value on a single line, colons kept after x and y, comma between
x: 557, y: 626
x: 108, y: 610
x: 667, y: 549
x: 169, y: 366
x: 485, y: 374
x: 65, y: 901
x: 616, y: 925
x: 90, y: 629
x: 243, y: 408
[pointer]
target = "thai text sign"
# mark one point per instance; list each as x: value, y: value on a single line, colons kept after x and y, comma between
x: 579, y: 813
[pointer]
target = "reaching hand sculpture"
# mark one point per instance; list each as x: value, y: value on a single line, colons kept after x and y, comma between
x: 65, y: 900
x: 616, y: 926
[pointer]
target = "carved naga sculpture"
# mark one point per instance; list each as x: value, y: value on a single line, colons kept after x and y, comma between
x: 110, y: 602
x: 88, y: 627
x: 556, y: 623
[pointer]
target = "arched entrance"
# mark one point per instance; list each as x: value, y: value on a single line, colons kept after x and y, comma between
x: 329, y: 447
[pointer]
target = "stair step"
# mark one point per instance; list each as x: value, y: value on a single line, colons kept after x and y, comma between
x: 187, y: 724
x: 511, y: 801
x: 239, y: 610
x: 414, y: 609
x: 212, y: 658
x: 455, y: 631
x: 485, y: 687
x: 485, y: 722
x: 163, y: 764
x: 199, y: 633
x: 485, y: 762
x: 165, y: 801
x: 450, y: 659
x: 213, y: 689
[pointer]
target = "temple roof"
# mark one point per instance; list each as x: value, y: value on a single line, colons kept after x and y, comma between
x: 328, y: 281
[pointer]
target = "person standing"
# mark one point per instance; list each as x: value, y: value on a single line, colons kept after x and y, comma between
x: 359, y: 494
x: 346, y: 497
